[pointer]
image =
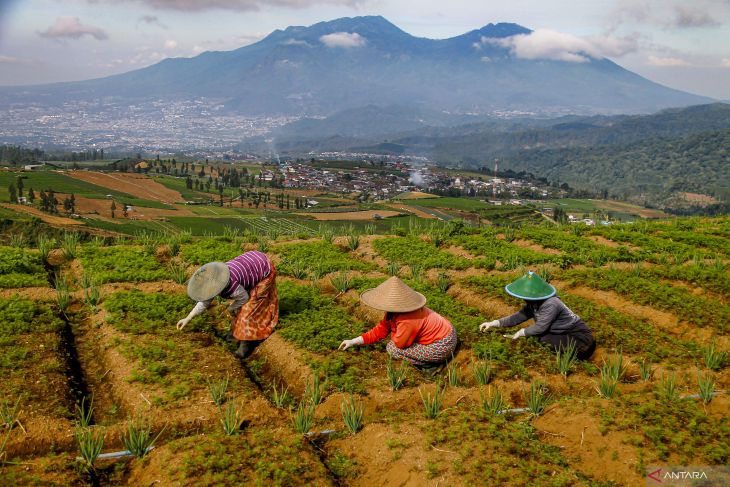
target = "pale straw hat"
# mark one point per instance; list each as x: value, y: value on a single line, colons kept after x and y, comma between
x: 394, y: 296
x: 208, y: 281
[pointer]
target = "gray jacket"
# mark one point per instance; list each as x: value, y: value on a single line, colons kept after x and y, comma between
x: 551, y: 316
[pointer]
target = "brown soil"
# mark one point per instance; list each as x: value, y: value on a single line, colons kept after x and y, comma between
x: 576, y: 432
x: 102, y: 208
x: 620, y: 206
x: 417, y: 195
x: 415, y: 211
x: 34, y: 293
x: 525, y: 244
x: 350, y: 215
x: 603, y: 241
x: 137, y: 185
x: 50, y: 219
x: 283, y: 364
x: 459, y: 252
x: 492, y: 308
x: 367, y: 252
x: 702, y: 199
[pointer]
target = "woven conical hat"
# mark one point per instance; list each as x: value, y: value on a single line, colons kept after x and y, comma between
x: 393, y: 295
x: 530, y: 287
x: 208, y: 281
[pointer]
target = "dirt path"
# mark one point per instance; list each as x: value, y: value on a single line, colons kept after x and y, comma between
x: 350, y: 215
x: 526, y: 244
x: 137, y: 185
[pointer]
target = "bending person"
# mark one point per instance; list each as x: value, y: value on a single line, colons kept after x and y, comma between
x: 419, y: 335
x: 555, y: 324
x: 250, y: 281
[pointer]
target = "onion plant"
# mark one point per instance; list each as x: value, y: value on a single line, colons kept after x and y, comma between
x: 326, y: 233
x: 314, y: 390
x: 370, y: 229
x: 8, y: 415
x: 714, y: 359
x: 304, y: 417
x: 393, y: 268
x: 341, y: 282
x: 706, y: 384
x: 509, y: 234
x: 92, y: 295
x: 231, y: 419
x: 263, y: 244
x: 18, y: 240
x: 615, y: 367
x: 45, y: 245
x: 645, y: 370
x: 396, y: 376
x: 352, y: 414
x: 452, y: 374
x: 138, y: 438
x: 69, y: 243
x: 353, y: 241
x: 218, y: 391
x: 443, y: 282
x: 537, y: 398
x: 297, y: 269
x: 85, y: 412
x: 482, y: 372
x: 416, y: 271
x: 63, y: 297
x: 280, y: 397
x: 668, y: 388
x: 178, y: 271
x: 432, y: 403
x: 493, y: 403
x: 607, y: 385
x: 566, y: 357
x: 90, y: 443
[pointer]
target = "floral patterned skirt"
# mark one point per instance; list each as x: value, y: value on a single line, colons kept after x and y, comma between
x: 257, y: 318
x: 425, y: 355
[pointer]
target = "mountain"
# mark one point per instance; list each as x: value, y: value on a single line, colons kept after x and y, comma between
x: 350, y: 63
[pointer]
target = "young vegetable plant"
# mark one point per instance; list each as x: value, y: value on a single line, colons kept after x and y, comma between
x: 178, y: 271
x: 352, y: 414
x: 138, y: 438
x: 443, y: 282
x: 63, y: 297
x: 713, y: 358
x: 706, y: 384
x: 90, y: 444
x: 645, y: 370
x: 280, y: 397
x: 314, y: 390
x: 341, y: 282
x: 432, y: 403
x: 85, y: 412
x: 416, y: 271
x: 482, y: 372
x: 396, y: 376
x: 231, y: 419
x: 353, y: 241
x: 493, y: 403
x: 668, y: 388
x: 393, y: 268
x: 8, y: 415
x: 615, y: 367
x: 92, y: 295
x: 218, y: 391
x: 607, y: 385
x: 566, y: 358
x: 45, y: 245
x: 304, y: 417
x: 69, y: 243
x: 537, y: 398
x: 453, y: 375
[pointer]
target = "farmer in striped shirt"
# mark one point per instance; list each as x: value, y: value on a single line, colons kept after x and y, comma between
x: 250, y: 281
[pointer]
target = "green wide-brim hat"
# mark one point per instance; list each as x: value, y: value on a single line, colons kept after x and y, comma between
x: 208, y: 281
x: 531, y: 287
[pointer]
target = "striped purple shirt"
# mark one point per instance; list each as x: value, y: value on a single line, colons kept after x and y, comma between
x: 247, y: 270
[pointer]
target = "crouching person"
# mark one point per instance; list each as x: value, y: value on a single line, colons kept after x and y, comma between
x: 555, y: 324
x: 419, y: 335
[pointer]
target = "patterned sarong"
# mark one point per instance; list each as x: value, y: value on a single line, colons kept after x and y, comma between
x: 258, y: 317
x: 424, y: 355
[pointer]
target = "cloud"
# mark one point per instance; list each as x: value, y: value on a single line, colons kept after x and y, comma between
x: 667, y: 61
x: 669, y: 14
x: 725, y: 63
x: 560, y: 46
x: 198, y: 50
x: 72, y: 28
x: 170, y: 44
x: 343, y: 39
x: 9, y: 60
x: 151, y: 20
x: 692, y: 16
x: 241, y: 5
x: 296, y: 42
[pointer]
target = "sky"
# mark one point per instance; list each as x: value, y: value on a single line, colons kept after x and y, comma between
x: 679, y: 43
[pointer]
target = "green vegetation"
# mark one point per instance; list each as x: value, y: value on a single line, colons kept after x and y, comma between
x: 231, y: 419
x: 304, y: 417
x: 90, y: 442
x: 493, y: 403
x: 20, y: 315
x: 218, y: 391
x: 138, y: 438
x: 136, y: 312
x: 218, y: 249
x: 706, y: 383
x: 396, y: 375
x: 432, y: 403
x: 120, y: 264
x: 414, y: 251
x: 317, y: 255
x: 352, y: 414
x: 21, y: 268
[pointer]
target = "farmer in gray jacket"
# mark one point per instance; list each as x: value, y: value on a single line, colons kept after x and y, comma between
x: 555, y: 324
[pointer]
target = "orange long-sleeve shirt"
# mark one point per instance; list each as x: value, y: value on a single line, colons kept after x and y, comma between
x: 423, y: 326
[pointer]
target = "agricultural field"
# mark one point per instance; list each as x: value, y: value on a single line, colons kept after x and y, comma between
x: 93, y: 363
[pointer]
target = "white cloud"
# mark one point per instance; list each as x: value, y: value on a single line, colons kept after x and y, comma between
x: 667, y: 61
x: 170, y: 44
x: 198, y: 49
x: 295, y: 42
x: 9, y: 60
x: 72, y: 28
x: 241, y: 5
x: 560, y: 46
x: 725, y: 63
x: 343, y: 39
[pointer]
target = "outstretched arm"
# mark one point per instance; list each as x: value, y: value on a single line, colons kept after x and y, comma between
x: 515, y: 319
x: 197, y: 310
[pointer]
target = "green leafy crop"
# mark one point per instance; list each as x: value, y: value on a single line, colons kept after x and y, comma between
x: 120, y: 264
x: 20, y: 315
x: 21, y: 268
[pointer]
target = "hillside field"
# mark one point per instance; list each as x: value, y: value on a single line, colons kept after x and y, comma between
x: 93, y: 317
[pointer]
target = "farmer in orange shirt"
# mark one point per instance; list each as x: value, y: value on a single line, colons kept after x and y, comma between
x: 417, y: 334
